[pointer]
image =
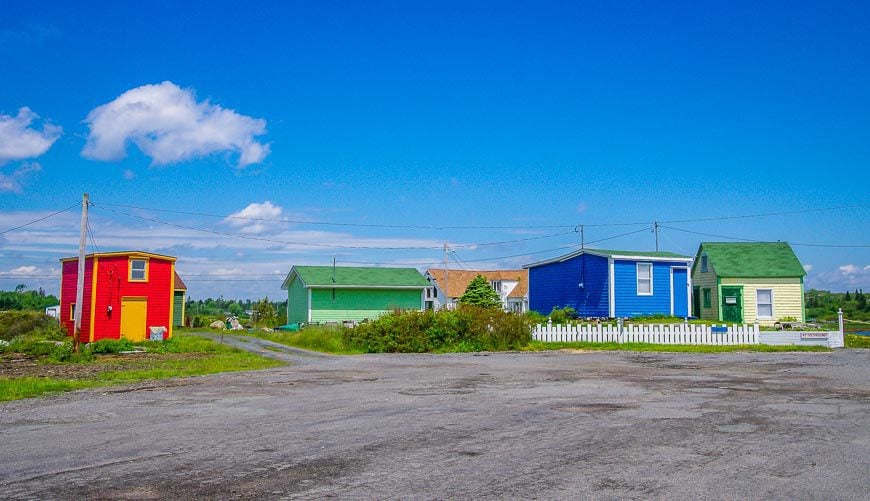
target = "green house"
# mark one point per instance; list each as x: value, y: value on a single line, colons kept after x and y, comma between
x: 318, y: 294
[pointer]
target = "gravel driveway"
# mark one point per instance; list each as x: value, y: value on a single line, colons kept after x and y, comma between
x: 507, y: 425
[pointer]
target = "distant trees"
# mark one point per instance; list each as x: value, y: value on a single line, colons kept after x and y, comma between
x: 824, y: 304
x: 22, y: 299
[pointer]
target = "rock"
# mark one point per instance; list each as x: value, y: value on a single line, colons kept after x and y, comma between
x: 217, y: 324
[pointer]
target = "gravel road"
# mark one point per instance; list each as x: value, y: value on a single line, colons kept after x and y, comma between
x: 506, y: 425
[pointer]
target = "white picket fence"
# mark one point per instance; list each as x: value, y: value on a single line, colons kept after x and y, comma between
x: 682, y: 334
x: 648, y: 333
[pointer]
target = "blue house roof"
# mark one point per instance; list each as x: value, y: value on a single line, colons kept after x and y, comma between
x: 617, y: 254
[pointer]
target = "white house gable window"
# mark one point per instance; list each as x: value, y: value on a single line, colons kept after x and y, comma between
x: 644, y: 279
x: 764, y: 303
x: 138, y: 270
x: 496, y: 285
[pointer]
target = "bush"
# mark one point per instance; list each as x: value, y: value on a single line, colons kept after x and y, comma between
x: 465, y: 329
x: 20, y: 323
x: 111, y: 346
x: 563, y: 315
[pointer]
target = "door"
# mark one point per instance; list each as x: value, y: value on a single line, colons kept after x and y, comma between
x: 732, y: 304
x: 680, y: 292
x: 696, y: 301
x: 134, y: 314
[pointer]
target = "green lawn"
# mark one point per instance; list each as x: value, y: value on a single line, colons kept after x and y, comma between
x: 314, y: 337
x: 184, y: 355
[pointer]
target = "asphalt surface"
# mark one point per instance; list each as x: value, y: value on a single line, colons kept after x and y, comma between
x: 507, y: 425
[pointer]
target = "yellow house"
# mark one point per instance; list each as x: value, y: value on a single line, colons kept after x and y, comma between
x: 747, y: 282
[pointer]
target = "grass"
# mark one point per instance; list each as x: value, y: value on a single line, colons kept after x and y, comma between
x: 314, y: 337
x: 181, y: 356
x: 856, y: 341
x: 26, y: 387
x: 678, y: 348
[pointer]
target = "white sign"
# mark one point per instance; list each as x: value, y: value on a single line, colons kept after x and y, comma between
x: 814, y: 335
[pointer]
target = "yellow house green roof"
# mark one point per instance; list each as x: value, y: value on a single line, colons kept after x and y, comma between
x: 751, y: 259
x: 361, y: 277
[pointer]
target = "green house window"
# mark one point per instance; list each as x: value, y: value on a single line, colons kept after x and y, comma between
x: 706, y: 294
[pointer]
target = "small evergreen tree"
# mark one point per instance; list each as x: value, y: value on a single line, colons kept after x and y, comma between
x: 265, y: 312
x: 479, y: 293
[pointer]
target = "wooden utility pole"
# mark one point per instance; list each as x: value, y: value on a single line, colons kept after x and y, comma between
x: 446, y: 280
x: 656, y: 230
x: 80, y: 279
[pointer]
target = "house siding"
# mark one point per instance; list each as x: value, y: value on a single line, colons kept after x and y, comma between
x: 297, y: 302
x: 706, y: 280
x: 69, y: 274
x: 178, y: 308
x: 628, y: 302
x: 361, y: 304
x: 113, y: 284
x: 788, y: 296
x: 556, y: 285
x: 107, y: 289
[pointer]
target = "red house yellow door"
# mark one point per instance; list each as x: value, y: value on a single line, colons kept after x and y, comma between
x: 134, y: 312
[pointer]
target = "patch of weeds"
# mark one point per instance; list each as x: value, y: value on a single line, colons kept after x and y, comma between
x: 856, y: 341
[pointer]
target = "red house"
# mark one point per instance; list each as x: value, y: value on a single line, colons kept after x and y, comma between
x: 125, y: 293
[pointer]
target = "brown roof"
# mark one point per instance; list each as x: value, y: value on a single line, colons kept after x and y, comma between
x: 458, y: 280
x: 179, y: 283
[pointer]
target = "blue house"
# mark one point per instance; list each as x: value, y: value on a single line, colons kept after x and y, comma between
x: 612, y: 283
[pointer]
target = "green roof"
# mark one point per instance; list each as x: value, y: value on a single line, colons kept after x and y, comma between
x: 751, y: 259
x: 637, y: 253
x: 345, y: 276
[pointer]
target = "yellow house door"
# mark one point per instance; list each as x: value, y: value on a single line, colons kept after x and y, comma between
x: 134, y: 312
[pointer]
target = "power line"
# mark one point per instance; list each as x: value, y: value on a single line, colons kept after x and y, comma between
x: 503, y: 227
x: 329, y: 246
x: 40, y: 219
x: 858, y: 246
x: 326, y: 223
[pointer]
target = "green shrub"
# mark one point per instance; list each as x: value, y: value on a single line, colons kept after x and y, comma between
x: 111, y: 346
x: 563, y: 315
x: 19, y: 323
x: 465, y: 329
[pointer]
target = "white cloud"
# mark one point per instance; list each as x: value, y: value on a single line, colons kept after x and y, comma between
x: 808, y: 268
x: 21, y: 270
x: 13, y: 182
x: 243, y: 218
x: 19, y: 141
x: 849, y: 269
x: 845, y: 277
x: 129, y: 174
x: 168, y: 124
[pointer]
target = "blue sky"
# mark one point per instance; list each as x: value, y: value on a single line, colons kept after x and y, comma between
x: 430, y: 115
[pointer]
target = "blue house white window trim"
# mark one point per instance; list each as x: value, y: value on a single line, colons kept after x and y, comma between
x: 645, y: 281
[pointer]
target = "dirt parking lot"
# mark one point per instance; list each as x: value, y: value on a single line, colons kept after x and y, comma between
x: 509, y: 425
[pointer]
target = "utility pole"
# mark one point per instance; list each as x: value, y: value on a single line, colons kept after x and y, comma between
x: 80, y: 281
x: 582, y: 238
x: 446, y: 280
x: 656, y: 230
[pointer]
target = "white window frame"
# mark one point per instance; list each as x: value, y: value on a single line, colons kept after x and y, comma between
x: 496, y: 285
x: 758, y: 304
x: 637, y: 276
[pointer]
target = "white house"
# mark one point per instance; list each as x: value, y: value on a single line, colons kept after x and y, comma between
x: 512, y: 287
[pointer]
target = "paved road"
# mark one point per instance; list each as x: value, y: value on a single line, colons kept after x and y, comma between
x: 510, y: 425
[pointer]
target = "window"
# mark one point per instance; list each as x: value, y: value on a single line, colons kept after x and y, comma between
x: 706, y: 293
x: 644, y: 279
x: 703, y: 263
x: 496, y: 285
x: 138, y: 270
x: 764, y: 303
x: 72, y: 311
